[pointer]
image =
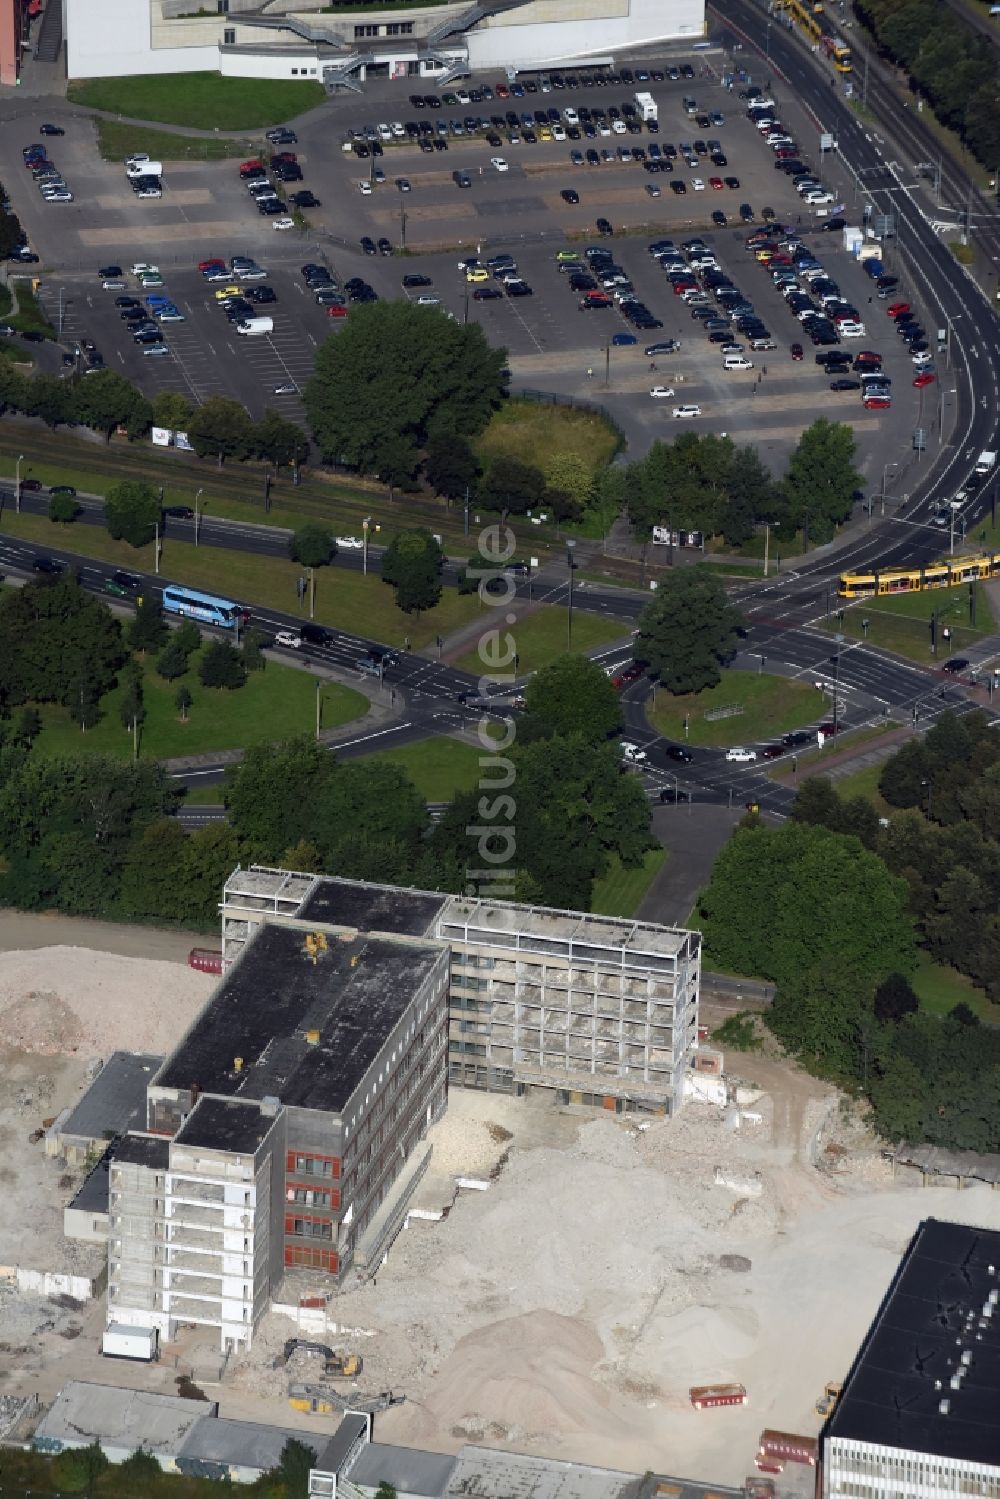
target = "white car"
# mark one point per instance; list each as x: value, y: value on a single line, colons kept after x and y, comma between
x: 61, y: 195
x: 365, y: 188
x: 851, y: 330
x: 697, y: 184
x: 428, y: 300
x: 682, y: 412
x: 142, y: 269
x: 286, y: 388
x: 923, y: 359
x: 350, y: 543
x: 499, y: 163
x: 632, y: 752
x: 661, y: 392
x: 739, y: 755
x: 290, y: 638
x: 819, y: 197
x: 618, y: 126
x: 282, y: 223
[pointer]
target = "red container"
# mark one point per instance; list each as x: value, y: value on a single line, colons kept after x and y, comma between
x: 205, y: 960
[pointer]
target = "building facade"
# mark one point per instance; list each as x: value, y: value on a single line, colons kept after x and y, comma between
x: 917, y: 1416
x: 304, y: 39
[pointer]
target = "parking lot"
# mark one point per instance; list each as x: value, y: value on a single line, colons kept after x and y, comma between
x: 206, y: 210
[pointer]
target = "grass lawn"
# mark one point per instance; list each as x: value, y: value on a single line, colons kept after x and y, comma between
x: 204, y: 101
x: 275, y: 704
x: 536, y: 433
x: 864, y: 782
x: 812, y: 762
x: 541, y: 637
x: 115, y: 141
x: 621, y: 890
x: 205, y: 796
x: 439, y: 768
x: 903, y: 624
x: 29, y: 314
x: 771, y: 705
x: 344, y: 599
x: 940, y: 988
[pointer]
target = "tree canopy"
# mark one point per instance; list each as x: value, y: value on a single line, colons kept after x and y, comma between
x: 687, y: 630
x: 54, y: 640
x: 571, y: 697
x: 820, y: 483
x: 394, y: 375
x: 412, y: 563
x: 132, y: 511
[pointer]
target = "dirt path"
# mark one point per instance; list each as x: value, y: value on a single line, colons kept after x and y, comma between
x: 22, y: 931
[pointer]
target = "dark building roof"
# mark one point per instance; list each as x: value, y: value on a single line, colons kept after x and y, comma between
x: 92, y: 1196
x: 116, y: 1099
x: 253, y: 1037
x: 343, y: 1444
x: 142, y: 1150
x: 372, y: 908
x: 225, y: 1124
x: 902, y: 1376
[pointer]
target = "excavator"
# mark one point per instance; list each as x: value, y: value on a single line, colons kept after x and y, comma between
x: 827, y: 1401
x: 335, y: 1365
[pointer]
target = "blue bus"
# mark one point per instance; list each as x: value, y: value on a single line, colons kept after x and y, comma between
x: 206, y: 607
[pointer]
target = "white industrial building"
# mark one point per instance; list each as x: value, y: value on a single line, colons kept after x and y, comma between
x: 299, y: 39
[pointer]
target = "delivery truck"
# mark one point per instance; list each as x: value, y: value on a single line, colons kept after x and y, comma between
x: 139, y: 1343
x: 986, y: 463
x: 144, y: 168
x: 646, y: 105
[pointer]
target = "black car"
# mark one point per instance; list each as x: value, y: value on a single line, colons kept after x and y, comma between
x: 719, y: 218
x: 797, y: 737
x: 569, y: 195
x: 23, y: 256
x: 261, y: 294
x: 679, y: 752
x: 48, y: 565
x: 414, y: 280
x: 305, y: 200
x: 518, y: 289
x: 122, y: 584
x: 369, y: 246
x: 845, y: 384
x: 109, y: 272
x: 678, y: 186
x: 66, y: 489
x: 179, y: 512
x: 384, y: 247
x: 316, y: 634
x: 603, y: 226
x: 32, y: 336
x: 956, y: 665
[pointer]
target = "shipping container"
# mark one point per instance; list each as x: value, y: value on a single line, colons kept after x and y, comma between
x: 786, y: 1446
x: 140, y: 1343
x: 205, y: 959
x: 704, y: 1397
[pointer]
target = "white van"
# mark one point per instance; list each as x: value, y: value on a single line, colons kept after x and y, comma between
x: 737, y: 362
x: 253, y: 326
x: 144, y: 168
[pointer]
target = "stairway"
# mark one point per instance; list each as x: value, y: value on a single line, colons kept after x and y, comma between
x: 48, y: 43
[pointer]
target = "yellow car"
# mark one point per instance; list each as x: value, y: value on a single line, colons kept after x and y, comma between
x: 478, y: 273
x: 545, y: 132
x: 227, y: 291
x: 567, y: 255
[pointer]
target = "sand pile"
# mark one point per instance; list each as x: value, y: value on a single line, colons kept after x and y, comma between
x: 66, y: 999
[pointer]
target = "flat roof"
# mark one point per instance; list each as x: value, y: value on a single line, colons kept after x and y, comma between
x: 250, y: 1040
x: 372, y: 908
x: 246, y: 1444
x: 345, y: 1439
x: 225, y: 1124
x: 483, y: 1473
x: 116, y: 1099
x: 933, y: 1312
x: 83, y: 1411
x: 92, y: 1196
x: 408, y: 1469
x: 142, y: 1150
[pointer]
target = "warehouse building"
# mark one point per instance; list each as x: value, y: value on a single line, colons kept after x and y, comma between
x: 918, y: 1412
x: 306, y: 39
x: 284, y: 1136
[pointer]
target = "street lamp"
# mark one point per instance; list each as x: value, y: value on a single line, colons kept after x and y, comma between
x: 197, y: 515
x: 885, y: 469
x: 364, y: 527
x: 569, y: 599
x: 926, y: 785
x: 17, y: 482
x: 836, y: 681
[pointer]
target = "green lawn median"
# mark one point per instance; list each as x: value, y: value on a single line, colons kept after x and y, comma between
x: 275, y: 703
x: 903, y: 624
x: 440, y: 768
x: 769, y: 706
x: 116, y: 141
x: 541, y: 637
x: 201, y: 101
x: 620, y: 892
x: 345, y: 599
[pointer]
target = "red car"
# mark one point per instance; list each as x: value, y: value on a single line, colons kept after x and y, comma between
x: 877, y: 403
x: 867, y: 357
x: 925, y: 379
x: 336, y: 312
x: 715, y: 183
x: 897, y: 309
x: 502, y: 91
x: 210, y: 265
x: 796, y: 351
x: 283, y: 156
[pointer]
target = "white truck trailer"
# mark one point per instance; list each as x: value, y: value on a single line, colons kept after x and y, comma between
x: 646, y: 105
x: 139, y: 1343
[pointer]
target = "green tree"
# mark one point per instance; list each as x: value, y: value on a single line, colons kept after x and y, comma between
x: 393, y: 375
x: 187, y: 637
x: 84, y: 706
x: 510, y: 486
x: 48, y: 398
x: 183, y: 701
x: 894, y: 999
x: 63, y: 509
x: 272, y: 793
x: 296, y: 1461
x: 80, y: 1469
x: 106, y: 401
x: 411, y: 563
x: 312, y: 545
x: 796, y: 900
x: 687, y: 630
x: 29, y: 725
x: 279, y: 440
x: 683, y: 484
x: 385, y: 1490
x: 171, y: 409
x: 570, y: 474
x: 221, y: 666
x: 821, y: 1016
x: 571, y: 697
x: 131, y: 709
x: 751, y: 498
x: 53, y: 637
x: 172, y: 662
x: 209, y: 857
x: 148, y: 630
x: 821, y: 479
x: 132, y: 512
x: 221, y: 429
x: 140, y: 1470
x: 253, y: 653
x: 904, y: 775
x: 151, y: 883
x: 10, y: 234
x: 451, y: 467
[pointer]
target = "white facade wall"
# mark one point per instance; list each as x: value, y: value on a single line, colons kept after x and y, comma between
x: 541, y: 33
x: 113, y: 38
x: 865, y: 1470
x: 268, y: 65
